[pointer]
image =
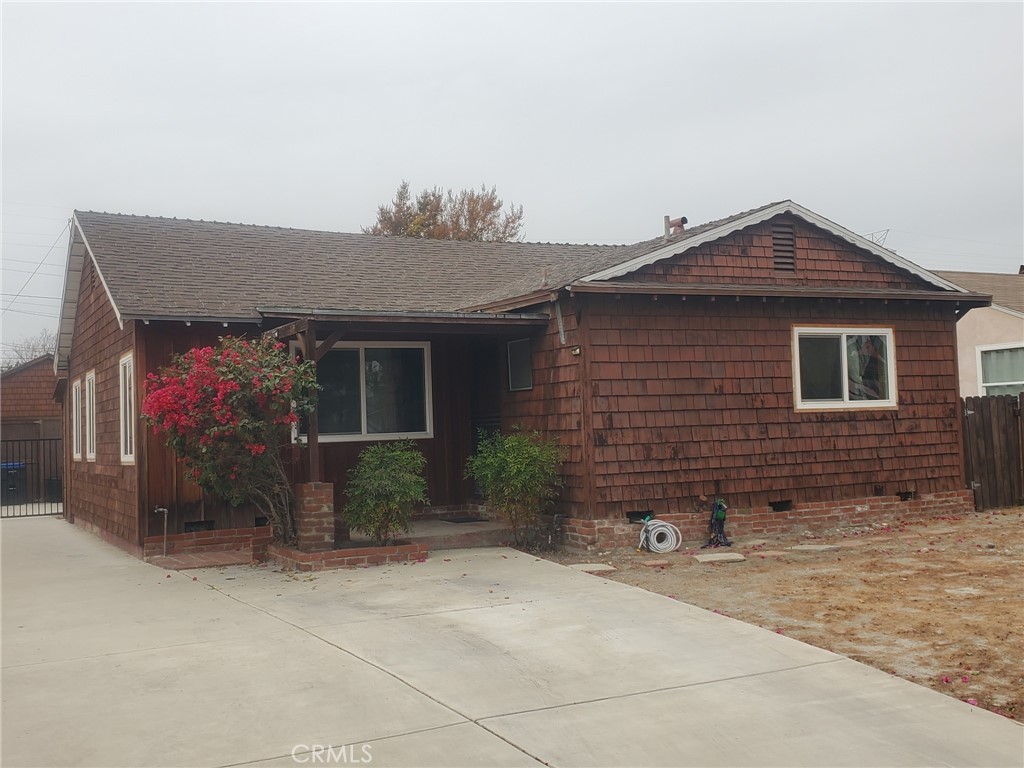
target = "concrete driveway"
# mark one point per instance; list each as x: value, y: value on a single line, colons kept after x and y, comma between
x: 474, y: 658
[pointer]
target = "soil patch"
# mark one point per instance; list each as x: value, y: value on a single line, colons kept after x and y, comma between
x: 938, y: 602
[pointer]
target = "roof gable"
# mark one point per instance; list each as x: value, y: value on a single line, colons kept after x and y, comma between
x: 42, y: 359
x: 716, y: 230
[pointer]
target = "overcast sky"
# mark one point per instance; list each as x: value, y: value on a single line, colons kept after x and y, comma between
x: 598, y: 118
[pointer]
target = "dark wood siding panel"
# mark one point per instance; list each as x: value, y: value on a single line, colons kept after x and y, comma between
x: 554, y: 406
x: 747, y: 257
x: 446, y: 452
x: 102, y: 493
x: 697, y: 395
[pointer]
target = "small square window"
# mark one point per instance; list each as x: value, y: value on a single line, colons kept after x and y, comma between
x: 520, y: 365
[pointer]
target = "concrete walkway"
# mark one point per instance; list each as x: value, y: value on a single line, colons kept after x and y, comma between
x: 473, y: 658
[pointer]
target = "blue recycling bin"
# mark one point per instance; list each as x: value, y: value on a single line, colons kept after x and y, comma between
x: 14, y: 489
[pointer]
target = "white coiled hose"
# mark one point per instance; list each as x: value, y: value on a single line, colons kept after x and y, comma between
x: 660, y: 537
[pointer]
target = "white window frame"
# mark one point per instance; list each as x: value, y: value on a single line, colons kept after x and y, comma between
x: 365, y: 437
x: 76, y: 420
x: 126, y: 378
x: 846, y: 403
x: 90, y: 416
x: 994, y: 348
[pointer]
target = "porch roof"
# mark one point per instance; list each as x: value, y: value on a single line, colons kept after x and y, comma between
x: 435, y: 322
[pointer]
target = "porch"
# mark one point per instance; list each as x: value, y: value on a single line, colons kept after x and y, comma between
x: 433, y: 378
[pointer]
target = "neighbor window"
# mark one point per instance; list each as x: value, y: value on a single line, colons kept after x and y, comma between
x: 843, y: 367
x: 76, y: 420
x: 520, y: 365
x: 1001, y: 369
x: 376, y: 390
x: 90, y: 416
x: 127, y: 379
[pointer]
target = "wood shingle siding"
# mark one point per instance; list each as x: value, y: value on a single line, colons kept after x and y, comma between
x: 556, y: 404
x: 102, y: 495
x: 690, y: 396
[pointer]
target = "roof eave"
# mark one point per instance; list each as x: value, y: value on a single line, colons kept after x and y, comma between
x: 78, y: 249
x: 967, y: 300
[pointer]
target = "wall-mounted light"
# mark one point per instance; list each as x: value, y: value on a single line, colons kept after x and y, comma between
x: 576, y: 350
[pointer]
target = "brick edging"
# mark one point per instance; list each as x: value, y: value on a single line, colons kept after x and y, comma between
x: 353, y: 557
x: 811, y: 517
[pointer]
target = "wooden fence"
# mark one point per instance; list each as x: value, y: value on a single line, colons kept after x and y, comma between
x: 993, y: 449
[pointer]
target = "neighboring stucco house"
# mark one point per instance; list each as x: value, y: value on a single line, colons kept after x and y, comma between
x: 991, y: 339
x: 801, y: 371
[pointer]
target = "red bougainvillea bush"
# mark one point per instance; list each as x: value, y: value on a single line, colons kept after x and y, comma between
x: 227, y: 411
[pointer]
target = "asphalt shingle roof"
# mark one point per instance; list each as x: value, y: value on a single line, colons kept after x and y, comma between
x: 1007, y: 290
x: 179, y: 267
x: 158, y: 267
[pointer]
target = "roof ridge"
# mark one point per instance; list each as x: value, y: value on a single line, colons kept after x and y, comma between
x: 350, y: 234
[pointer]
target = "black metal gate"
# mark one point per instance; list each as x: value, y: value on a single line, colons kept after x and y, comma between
x: 31, y: 477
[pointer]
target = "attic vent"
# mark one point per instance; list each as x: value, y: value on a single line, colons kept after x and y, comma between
x: 784, y: 247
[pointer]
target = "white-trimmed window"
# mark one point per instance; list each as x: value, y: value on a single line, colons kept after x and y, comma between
x: 76, y: 420
x: 520, y: 365
x: 374, y: 390
x: 1001, y: 369
x: 840, y: 368
x: 90, y: 416
x: 127, y: 380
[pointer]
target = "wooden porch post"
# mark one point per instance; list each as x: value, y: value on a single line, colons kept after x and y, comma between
x: 313, y: 431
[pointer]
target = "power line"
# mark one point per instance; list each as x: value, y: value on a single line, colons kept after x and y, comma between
x: 30, y: 304
x: 29, y: 261
x: 33, y: 271
x: 27, y: 312
x: 25, y: 245
x: 31, y: 296
x: 29, y: 280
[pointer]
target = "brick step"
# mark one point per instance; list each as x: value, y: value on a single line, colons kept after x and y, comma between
x: 188, y: 561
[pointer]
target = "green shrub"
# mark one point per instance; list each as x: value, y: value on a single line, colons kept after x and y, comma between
x: 519, y: 476
x: 383, y: 487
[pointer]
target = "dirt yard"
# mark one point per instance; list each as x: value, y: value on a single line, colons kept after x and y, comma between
x: 939, y: 602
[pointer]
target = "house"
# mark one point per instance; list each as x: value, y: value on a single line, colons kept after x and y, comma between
x: 774, y: 358
x: 990, y: 341
x: 31, y: 427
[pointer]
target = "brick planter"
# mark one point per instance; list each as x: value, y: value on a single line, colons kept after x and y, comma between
x: 255, y: 539
x: 351, y: 557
